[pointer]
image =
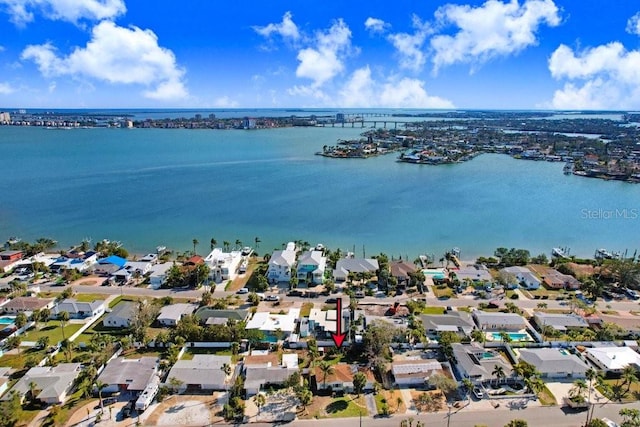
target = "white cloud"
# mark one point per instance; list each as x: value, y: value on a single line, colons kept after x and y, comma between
x: 22, y: 11
x: 361, y: 90
x: 225, y: 102
x: 603, y: 77
x: 376, y: 25
x: 116, y: 55
x: 6, y: 89
x: 633, y: 24
x: 1, y: 48
x: 325, y: 60
x: 286, y: 29
x: 491, y: 30
x: 409, y: 46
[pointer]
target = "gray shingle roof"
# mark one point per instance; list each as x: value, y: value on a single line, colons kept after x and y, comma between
x: 135, y: 373
x: 553, y: 361
x: 202, y: 370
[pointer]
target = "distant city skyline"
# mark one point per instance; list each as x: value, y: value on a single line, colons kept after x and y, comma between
x: 532, y: 54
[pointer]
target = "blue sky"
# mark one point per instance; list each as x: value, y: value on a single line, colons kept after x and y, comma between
x: 530, y: 54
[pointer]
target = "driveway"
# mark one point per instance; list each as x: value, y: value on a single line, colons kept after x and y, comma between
x: 560, y: 389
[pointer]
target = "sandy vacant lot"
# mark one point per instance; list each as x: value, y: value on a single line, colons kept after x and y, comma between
x: 185, y: 411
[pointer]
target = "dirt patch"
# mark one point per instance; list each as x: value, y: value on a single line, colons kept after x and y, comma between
x: 89, y: 281
x: 186, y: 410
x: 392, y: 396
x: 435, y: 402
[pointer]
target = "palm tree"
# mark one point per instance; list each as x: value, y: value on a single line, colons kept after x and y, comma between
x: 100, y: 386
x: 32, y: 391
x: 238, y: 244
x: 213, y: 242
x: 467, y: 384
x: 35, y: 316
x: 534, y: 383
x: 498, y: 372
x: 195, y: 243
x: 577, y: 391
x: 629, y: 376
x: 327, y: 369
x: 226, y: 368
x: 260, y: 401
x: 478, y: 336
x: 591, y: 374
x: 63, y: 316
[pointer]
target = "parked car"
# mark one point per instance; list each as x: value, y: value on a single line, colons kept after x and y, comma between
x: 478, y: 393
x: 295, y: 293
x: 272, y: 298
x: 331, y: 300
x: 359, y: 294
x: 243, y: 291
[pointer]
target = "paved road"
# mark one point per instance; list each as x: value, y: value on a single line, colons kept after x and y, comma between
x: 430, y: 299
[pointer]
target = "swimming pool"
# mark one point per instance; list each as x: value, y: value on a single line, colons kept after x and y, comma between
x: 515, y: 336
x: 434, y: 273
x: 6, y: 320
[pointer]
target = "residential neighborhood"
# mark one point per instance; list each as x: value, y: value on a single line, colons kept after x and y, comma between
x: 110, y: 338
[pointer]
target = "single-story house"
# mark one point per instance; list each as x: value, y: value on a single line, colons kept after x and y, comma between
x: 171, y: 314
x: 53, y: 383
x: 475, y: 273
x: 158, y: 274
x: 281, y: 263
x: 414, y: 373
x: 79, y: 309
x: 344, y: 266
x: 128, y: 375
x: 553, y: 279
x: 213, y: 316
x: 554, y: 362
x: 121, y: 315
x: 27, y: 304
x: 202, y: 373
x: 459, y: 322
x: 275, y: 326
x: 613, y: 359
x: 109, y: 265
x: 262, y: 370
x: 9, y: 259
x: 477, y: 363
x: 400, y: 270
x: 524, y: 276
x: 341, y: 379
x: 311, y: 266
x: 559, y: 321
x: 490, y: 321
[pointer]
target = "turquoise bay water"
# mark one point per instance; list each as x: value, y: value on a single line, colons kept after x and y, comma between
x: 147, y: 187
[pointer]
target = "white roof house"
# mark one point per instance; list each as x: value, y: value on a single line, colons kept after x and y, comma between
x: 613, y: 359
x: 171, y: 314
x: 414, y: 372
x: 344, y: 266
x: 281, y: 263
x: 158, y: 274
x: 554, y: 362
x: 203, y: 372
x: 270, y: 324
x: 223, y: 265
x: 474, y: 273
x: 524, y: 276
x: 79, y: 309
x: 53, y: 383
x: 490, y: 321
x: 129, y: 374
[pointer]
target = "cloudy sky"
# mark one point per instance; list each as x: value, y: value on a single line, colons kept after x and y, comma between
x: 551, y: 54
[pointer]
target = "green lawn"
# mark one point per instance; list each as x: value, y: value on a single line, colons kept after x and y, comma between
x: 433, y: 310
x: 346, y: 407
x: 443, y: 292
x: 546, y: 397
x: 17, y: 361
x: 77, y: 297
x: 306, y: 309
x: 53, y: 330
x: 632, y: 396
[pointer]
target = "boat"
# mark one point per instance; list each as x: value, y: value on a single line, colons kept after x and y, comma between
x: 160, y: 249
x: 13, y: 240
x: 568, y: 168
x: 603, y: 254
x: 560, y: 252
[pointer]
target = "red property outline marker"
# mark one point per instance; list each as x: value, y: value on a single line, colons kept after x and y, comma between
x: 338, y: 335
